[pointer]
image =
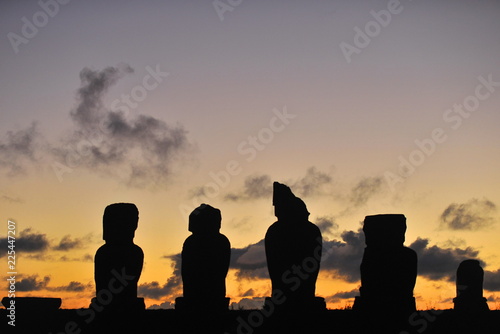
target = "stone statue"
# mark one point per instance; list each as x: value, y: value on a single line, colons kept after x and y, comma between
x: 118, y: 263
x: 470, y: 298
x: 205, y: 262
x: 293, y: 251
x: 388, y: 273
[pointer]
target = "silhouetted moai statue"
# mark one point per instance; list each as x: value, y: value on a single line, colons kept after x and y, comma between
x: 470, y: 298
x: 118, y: 263
x: 205, y: 262
x: 388, y: 271
x: 293, y: 252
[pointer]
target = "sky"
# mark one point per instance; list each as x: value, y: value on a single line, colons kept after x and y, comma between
x: 362, y: 108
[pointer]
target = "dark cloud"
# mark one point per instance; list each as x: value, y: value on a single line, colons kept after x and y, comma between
x: 162, y: 306
x: 339, y: 296
x: 492, y: 280
x: 326, y: 224
x: 250, y: 261
x: 73, y: 286
x: 138, y: 151
x: 343, y: 257
x: 27, y: 241
x: 437, y: 263
x: 365, y: 189
x: 32, y: 283
x: 171, y: 288
x: 254, y: 303
x: 68, y: 243
x: 20, y: 150
x: 473, y: 215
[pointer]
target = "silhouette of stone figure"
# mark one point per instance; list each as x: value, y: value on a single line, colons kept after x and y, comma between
x: 118, y: 263
x: 388, y: 271
x: 470, y: 298
x: 205, y: 262
x: 293, y: 251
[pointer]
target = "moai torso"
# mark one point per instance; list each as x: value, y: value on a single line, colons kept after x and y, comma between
x: 388, y: 269
x: 205, y: 256
x: 293, y: 248
x: 118, y: 263
x: 470, y: 278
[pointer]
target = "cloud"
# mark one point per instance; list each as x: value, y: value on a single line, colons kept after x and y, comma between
x: 365, y: 189
x: 339, y: 296
x: 27, y: 241
x: 473, y: 215
x: 68, y: 243
x: 137, y: 151
x: 326, y: 224
x: 312, y: 183
x: 343, y: 257
x: 437, y: 263
x: 261, y: 186
x: 20, y: 150
x: 254, y: 303
x: 73, y: 286
x: 10, y: 199
x: 255, y: 187
x: 162, y: 306
x: 171, y: 288
x: 250, y: 261
x: 492, y: 280
x: 32, y: 283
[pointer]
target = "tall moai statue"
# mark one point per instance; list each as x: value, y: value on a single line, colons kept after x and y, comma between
x: 293, y: 251
x: 470, y: 278
x: 388, y: 268
x: 118, y: 263
x: 205, y: 262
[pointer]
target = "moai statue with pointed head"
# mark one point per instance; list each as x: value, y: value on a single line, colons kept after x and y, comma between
x: 118, y: 263
x: 470, y: 278
x: 293, y: 251
x: 205, y: 262
x: 388, y: 268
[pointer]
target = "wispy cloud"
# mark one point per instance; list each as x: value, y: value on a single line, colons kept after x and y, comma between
x: 20, y: 150
x: 137, y: 151
x: 473, y: 215
x: 261, y: 186
x: 365, y: 189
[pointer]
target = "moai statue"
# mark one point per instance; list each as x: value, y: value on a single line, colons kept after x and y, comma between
x: 205, y: 262
x: 388, y: 269
x: 118, y: 263
x: 293, y: 251
x: 470, y: 298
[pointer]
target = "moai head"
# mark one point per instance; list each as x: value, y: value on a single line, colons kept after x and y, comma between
x: 205, y: 219
x: 384, y: 231
x: 286, y: 205
x: 120, y: 222
x: 470, y: 277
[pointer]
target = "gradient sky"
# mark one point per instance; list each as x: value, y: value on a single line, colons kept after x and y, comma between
x: 354, y: 119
